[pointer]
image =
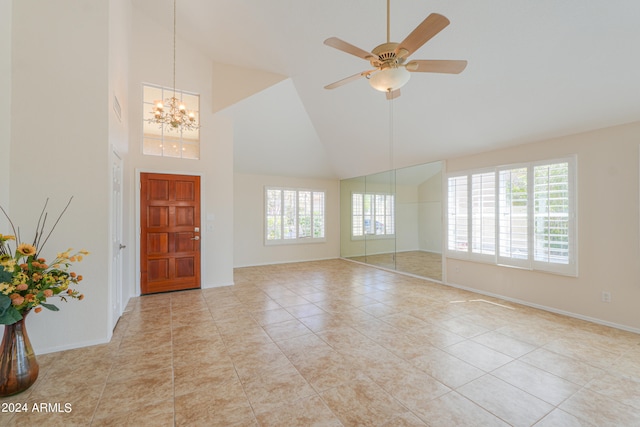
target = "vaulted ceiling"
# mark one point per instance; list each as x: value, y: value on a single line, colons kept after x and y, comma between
x: 536, y: 70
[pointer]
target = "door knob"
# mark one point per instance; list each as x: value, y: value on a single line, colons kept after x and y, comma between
x: 122, y: 246
x: 195, y: 238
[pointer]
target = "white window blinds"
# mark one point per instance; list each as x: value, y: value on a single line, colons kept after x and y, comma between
x: 294, y: 215
x: 522, y: 216
x: 458, y: 214
x: 372, y: 214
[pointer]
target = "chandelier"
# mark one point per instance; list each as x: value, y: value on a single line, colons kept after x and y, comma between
x: 173, y: 113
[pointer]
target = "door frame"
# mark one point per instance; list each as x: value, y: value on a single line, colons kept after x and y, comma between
x: 138, y: 228
x: 116, y: 226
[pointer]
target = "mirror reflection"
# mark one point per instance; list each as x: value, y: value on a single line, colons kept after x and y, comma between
x: 393, y: 220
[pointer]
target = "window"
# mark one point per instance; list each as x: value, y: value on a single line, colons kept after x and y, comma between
x: 483, y: 211
x: 457, y: 210
x: 372, y: 214
x: 521, y: 216
x: 160, y: 141
x: 293, y: 215
x: 551, y: 209
x: 513, y: 221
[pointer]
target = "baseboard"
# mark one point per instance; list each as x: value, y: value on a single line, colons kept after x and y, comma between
x: 545, y: 308
x: 218, y: 285
x: 418, y: 250
x: 285, y: 262
x: 73, y: 346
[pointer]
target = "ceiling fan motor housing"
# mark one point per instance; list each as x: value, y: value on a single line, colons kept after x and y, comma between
x: 387, y: 56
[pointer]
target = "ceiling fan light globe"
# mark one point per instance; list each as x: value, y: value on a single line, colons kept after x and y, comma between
x: 389, y: 79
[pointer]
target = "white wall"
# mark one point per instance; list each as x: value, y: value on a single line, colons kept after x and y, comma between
x: 608, y: 230
x: 5, y: 108
x: 151, y: 62
x: 59, y: 141
x: 119, y: 41
x: 249, y: 248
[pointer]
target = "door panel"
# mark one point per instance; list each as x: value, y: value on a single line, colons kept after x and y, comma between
x: 170, y: 232
x: 184, y: 267
x: 116, y: 238
x: 185, y: 215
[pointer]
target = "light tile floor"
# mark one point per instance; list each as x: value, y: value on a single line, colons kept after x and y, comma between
x: 419, y: 263
x: 336, y: 343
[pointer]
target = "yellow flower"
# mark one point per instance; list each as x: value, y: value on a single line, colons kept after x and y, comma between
x: 7, y: 288
x: 26, y: 249
x: 5, y: 238
x: 63, y: 255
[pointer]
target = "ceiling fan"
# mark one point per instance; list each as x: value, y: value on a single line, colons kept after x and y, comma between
x: 391, y: 71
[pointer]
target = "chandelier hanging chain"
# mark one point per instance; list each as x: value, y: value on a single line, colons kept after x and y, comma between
x: 172, y: 113
x: 174, y: 48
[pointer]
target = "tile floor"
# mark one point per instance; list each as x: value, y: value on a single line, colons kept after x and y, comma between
x: 419, y: 263
x: 336, y: 343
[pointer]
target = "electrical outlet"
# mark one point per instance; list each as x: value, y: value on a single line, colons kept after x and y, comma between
x: 606, y: 296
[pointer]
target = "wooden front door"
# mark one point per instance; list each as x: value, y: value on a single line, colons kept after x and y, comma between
x: 170, y: 232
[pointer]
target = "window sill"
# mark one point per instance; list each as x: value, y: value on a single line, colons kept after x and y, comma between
x: 293, y: 242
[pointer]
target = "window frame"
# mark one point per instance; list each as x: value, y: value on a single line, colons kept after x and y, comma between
x: 313, y: 214
x: 167, y: 137
x: 530, y: 262
x: 374, y: 197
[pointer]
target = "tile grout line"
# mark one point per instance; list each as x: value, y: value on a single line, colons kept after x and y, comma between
x: 173, y: 371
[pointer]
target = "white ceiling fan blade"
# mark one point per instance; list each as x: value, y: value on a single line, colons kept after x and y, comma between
x: 436, y: 66
x: 349, y: 48
x: 424, y: 32
x: 348, y: 79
